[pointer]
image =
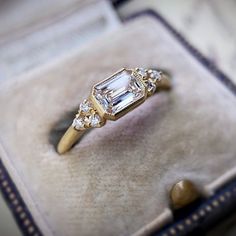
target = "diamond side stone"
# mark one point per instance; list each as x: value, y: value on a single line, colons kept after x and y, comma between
x: 78, y: 123
x: 85, y: 106
x: 95, y: 120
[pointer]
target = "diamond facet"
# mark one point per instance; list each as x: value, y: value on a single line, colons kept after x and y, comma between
x: 119, y: 92
x: 95, y: 120
x: 142, y: 72
x: 87, y: 120
x: 85, y: 106
x: 78, y: 123
x: 151, y: 86
x: 155, y: 75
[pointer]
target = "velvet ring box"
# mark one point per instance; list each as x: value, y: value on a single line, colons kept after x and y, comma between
x: 117, y: 179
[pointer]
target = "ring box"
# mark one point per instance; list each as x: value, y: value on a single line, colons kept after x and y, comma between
x: 117, y: 179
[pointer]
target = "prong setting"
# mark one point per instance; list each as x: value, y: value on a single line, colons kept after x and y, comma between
x: 150, y: 79
x: 87, y: 117
x: 115, y: 96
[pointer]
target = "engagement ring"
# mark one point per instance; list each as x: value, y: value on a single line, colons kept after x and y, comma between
x: 111, y: 99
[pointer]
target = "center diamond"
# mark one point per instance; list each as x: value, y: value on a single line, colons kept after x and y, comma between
x: 119, y: 92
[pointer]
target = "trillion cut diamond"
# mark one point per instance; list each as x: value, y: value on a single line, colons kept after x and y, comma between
x: 119, y: 92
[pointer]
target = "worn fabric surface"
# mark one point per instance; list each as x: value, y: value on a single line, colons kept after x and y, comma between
x: 117, y: 178
x: 216, y: 41
x: 39, y: 33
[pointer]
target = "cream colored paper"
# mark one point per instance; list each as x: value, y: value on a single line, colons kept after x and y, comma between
x: 117, y: 179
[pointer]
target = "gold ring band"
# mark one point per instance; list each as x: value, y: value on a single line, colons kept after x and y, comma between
x: 111, y: 99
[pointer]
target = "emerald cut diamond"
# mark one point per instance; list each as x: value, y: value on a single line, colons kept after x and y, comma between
x: 120, y: 91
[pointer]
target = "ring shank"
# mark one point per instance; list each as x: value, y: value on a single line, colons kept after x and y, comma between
x: 165, y: 83
x: 69, y: 139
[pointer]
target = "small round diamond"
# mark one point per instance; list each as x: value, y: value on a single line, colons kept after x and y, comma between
x: 142, y: 72
x: 95, y: 120
x: 151, y: 86
x: 78, y: 123
x: 85, y: 106
x: 155, y: 75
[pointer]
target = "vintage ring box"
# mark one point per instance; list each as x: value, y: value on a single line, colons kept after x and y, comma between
x: 118, y: 178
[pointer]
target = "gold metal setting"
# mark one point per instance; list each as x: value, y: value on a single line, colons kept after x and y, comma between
x: 183, y: 193
x: 111, y: 99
